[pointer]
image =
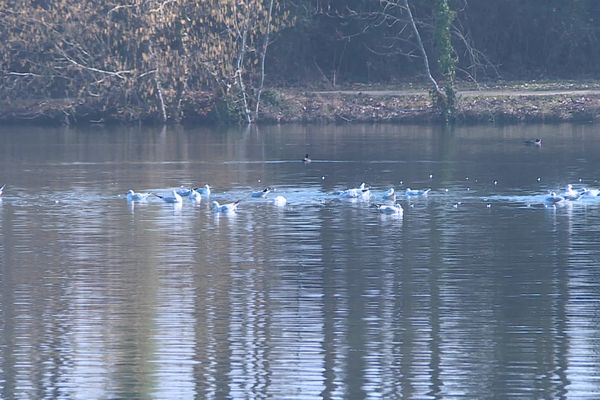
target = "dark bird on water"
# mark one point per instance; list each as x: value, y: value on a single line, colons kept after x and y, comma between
x: 534, y: 142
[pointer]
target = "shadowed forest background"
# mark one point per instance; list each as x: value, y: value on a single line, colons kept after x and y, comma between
x: 163, y: 60
x: 507, y: 39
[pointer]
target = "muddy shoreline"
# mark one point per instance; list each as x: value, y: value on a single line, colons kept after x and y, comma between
x: 522, y: 103
x: 485, y: 106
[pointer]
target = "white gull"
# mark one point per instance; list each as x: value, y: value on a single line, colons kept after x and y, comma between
x: 195, y: 196
x: 224, y: 208
x: 390, y: 194
x: 136, y: 196
x: 205, y: 190
x: 570, y: 193
x: 262, y: 193
x: 360, y: 192
x: 553, y: 198
x: 174, y: 198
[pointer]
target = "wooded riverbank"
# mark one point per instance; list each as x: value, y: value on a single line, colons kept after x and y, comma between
x: 490, y: 105
x: 522, y: 102
x: 74, y: 61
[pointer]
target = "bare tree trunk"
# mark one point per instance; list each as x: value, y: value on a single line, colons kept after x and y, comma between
x: 163, y: 108
x: 262, y: 61
x: 240, y: 67
x: 435, y: 85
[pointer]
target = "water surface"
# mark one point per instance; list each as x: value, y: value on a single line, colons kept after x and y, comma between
x: 480, y: 290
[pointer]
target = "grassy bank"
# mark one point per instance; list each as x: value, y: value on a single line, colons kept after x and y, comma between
x: 499, y: 102
x: 506, y: 102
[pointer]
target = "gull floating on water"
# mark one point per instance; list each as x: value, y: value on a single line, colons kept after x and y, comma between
x: 224, y: 208
x: 589, y: 192
x: 184, y: 191
x: 361, y: 192
x: 205, y: 190
x: 262, y: 193
x: 173, y: 199
x: 195, y: 196
x: 279, y: 201
x: 553, y: 198
x: 133, y: 196
x: 416, y: 192
x: 390, y: 194
x: 390, y: 209
x: 570, y: 193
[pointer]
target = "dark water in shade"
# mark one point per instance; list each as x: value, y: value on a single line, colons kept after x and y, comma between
x: 479, y: 291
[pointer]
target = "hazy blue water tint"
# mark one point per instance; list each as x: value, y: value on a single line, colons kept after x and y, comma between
x: 478, y: 291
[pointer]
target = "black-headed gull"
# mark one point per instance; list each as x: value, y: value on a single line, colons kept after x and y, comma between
x: 136, y: 196
x: 174, y: 198
x: 390, y: 194
x: 205, y: 190
x: 570, y: 193
x: 195, y: 196
x: 589, y: 192
x: 262, y: 193
x: 361, y: 192
x: 184, y: 191
x: 224, y: 208
x: 553, y: 198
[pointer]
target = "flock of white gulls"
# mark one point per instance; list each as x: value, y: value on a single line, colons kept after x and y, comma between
x: 362, y: 193
x: 388, y: 199
x: 570, y: 194
x: 389, y: 205
x: 195, y: 195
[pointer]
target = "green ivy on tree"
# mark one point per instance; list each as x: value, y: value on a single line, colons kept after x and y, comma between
x: 446, y: 57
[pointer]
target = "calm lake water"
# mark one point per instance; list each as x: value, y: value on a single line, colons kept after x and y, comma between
x: 479, y: 291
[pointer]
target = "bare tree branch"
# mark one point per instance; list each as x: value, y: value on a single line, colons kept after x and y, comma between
x: 24, y: 74
x: 161, y: 6
x: 116, y: 8
x: 423, y: 52
x: 118, y: 74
